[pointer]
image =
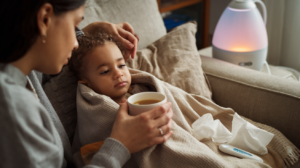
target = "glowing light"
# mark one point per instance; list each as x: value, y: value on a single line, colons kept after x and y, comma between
x: 240, y: 49
x: 240, y: 31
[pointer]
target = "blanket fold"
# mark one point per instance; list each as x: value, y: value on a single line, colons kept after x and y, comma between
x: 97, y: 113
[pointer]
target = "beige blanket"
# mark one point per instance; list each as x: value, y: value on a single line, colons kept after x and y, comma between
x: 96, y: 115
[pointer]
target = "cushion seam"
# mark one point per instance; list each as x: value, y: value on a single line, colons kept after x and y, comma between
x: 253, y: 86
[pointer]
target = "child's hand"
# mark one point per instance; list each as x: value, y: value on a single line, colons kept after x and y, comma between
x: 123, y: 31
x: 142, y: 131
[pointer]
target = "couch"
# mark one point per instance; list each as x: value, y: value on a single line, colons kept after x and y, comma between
x: 258, y: 96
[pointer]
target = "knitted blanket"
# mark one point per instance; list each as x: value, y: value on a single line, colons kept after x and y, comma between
x: 97, y: 113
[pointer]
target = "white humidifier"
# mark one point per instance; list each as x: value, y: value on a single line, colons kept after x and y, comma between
x: 240, y: 36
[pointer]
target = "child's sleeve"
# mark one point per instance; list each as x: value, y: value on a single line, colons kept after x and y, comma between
x: 88, y: 151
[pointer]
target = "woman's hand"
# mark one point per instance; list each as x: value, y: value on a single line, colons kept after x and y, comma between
x: 123, y: 31
x: 141, y: 131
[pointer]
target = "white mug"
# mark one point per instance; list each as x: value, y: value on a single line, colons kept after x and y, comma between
x: 135, y: 109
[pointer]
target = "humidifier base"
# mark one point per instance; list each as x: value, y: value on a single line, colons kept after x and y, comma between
x: 253, y: 60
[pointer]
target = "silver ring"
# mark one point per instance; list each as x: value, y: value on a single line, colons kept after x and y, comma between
x: 161, y: 131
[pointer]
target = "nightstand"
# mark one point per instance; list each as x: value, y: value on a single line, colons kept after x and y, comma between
x: 283, y: 72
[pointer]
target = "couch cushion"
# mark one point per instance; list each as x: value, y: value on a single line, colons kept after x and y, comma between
x: 143, y: 15
x: 174, y: 58
x: 261, y: 97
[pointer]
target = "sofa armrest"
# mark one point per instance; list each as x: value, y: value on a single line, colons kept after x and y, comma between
x: 258, y: 96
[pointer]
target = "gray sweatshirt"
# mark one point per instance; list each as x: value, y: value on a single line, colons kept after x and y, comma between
x: 32, y: 134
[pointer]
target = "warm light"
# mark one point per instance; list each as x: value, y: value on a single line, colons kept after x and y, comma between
x: 240, y: 36
x: 240, y: 49
x: 240, y: 29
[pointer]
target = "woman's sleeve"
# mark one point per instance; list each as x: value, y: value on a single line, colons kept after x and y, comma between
x: 111, y: 154
x: 26, y: 131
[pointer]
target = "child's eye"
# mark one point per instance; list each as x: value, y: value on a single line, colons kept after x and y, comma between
x: 105, y: 72
x: 121, y: 66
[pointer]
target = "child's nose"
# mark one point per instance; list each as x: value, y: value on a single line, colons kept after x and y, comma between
x: 118, y: 74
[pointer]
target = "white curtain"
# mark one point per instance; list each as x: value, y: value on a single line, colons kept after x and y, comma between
x: 283, y: 27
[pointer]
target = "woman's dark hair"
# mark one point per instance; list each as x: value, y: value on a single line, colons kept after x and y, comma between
x: 19, y: 28
x: 87, y: 44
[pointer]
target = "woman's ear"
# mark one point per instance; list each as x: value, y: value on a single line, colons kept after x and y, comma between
x: 44, y: 18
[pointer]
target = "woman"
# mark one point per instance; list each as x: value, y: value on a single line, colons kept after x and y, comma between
x: 40, y: 35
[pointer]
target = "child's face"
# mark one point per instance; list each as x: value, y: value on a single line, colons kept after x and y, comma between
x: 106, y: 72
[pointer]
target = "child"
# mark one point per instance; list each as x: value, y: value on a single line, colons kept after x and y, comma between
x: 99, y: 64
x: 104, y: 81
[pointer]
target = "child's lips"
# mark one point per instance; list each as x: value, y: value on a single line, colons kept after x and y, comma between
x: 121, y: 84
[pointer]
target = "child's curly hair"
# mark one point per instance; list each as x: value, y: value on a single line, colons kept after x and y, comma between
x: 86, y: 44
